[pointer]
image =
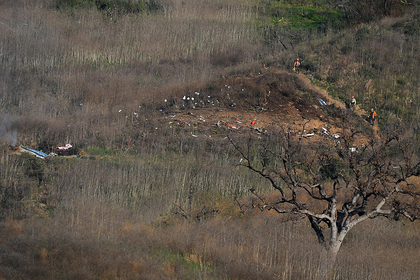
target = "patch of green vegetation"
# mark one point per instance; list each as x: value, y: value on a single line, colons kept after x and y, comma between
x: 307, y: 16
x: 312, y: 17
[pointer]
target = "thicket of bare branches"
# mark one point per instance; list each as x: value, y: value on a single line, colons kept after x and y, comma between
x: 336, y: 184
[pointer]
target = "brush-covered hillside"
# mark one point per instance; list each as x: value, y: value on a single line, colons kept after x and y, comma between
x: 155, y: 96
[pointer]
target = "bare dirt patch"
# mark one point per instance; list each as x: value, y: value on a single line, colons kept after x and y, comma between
x: 261, y: 103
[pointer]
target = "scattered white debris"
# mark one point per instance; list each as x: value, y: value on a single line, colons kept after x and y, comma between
x: 308, y: 135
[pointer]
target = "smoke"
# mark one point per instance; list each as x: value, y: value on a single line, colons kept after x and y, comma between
x: 8, y: 129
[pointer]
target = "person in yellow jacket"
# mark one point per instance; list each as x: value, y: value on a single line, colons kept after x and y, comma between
x: 296, y: 65
x: 372, y: 116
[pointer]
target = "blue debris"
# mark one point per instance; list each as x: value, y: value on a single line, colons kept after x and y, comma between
x: 36, y: 153
x: 322, y: 101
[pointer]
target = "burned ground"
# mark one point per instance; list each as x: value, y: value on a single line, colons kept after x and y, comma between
x: 261, y: 103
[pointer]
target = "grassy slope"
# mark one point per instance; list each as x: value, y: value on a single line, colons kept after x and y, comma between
x: 80, y: 68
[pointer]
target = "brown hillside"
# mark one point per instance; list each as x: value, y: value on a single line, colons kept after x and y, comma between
x: 261, y: 103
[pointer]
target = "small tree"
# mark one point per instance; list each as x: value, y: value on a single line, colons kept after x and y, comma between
x: 333, y: 185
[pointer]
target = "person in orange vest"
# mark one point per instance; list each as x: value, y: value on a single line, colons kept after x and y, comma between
x: 296, y: 65
x: 372, y: 116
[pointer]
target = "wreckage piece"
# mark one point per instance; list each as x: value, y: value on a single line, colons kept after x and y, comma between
x: 33, y: 152
x: 322, y: 102
x: 306, y: 135
x: 66, y: 147
x: 67, y: 150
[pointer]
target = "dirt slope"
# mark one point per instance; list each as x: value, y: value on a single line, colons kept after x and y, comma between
x: 299, y: 111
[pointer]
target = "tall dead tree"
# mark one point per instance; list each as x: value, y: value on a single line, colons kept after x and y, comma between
x: 335, y: 184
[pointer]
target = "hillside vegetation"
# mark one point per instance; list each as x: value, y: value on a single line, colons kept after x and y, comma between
x: 159, y: 193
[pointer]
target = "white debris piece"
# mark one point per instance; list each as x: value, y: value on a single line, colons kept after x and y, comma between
x: 308, y: 135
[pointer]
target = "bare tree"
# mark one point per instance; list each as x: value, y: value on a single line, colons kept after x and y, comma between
x: 335, y: 184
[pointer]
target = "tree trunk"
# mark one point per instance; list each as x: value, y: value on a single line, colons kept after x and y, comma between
x: 329, y: 257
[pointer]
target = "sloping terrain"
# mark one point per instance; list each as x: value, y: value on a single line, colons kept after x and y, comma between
x: 285, y: 100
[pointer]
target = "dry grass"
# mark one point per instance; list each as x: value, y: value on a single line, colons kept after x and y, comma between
x: 259, y: 246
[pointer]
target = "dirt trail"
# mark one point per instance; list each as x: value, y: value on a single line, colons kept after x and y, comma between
x: 361, y: 113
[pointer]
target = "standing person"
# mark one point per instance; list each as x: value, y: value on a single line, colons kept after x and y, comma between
x: 296, y: 65
x: 353, y: 103
x: 372, y: 116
